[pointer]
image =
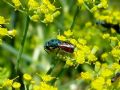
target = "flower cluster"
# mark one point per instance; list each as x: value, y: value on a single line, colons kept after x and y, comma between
x: 83, y: 53
x: 101, y: 77
x: 4, y: 31
x: 9, y: 83
x: 30, y: 83
x: 43, y: 11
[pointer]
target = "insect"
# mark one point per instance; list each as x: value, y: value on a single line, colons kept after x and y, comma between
x: 109, y: 25
x: 116, y: 77
x: 57, y: 44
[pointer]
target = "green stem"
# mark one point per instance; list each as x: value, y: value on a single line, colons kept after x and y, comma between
x: 60, y: 74
x: 22, y: 43
x: 74, y: 18
x: 14, y: 6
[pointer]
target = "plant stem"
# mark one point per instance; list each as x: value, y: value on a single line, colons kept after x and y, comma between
x: 60, y: 74
x: 22, y: 43
x: 14, y: 6
x: 74, y: 18
x: 55, y: 63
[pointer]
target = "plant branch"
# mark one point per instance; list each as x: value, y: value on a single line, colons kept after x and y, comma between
x: 22, y: 43
x: 74, y: 18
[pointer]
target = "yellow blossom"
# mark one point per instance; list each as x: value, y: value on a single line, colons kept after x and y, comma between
x: 48, y: 18
x: 7, y: 83
x: 61, y: 37
x: 46, y: 78
x: 17, y: 3
x: 82, y: 41
x: 80, y: 2
x: 116, y: 66
x: 3, y: 31
x: 16, y: 85
x: 114, y: 38
x: 113, y: 30
x: 33, y: 4
x: 68, y: 33
x: 44, y: 86
x: 94, y: 9
x: 12, y: 32
x: 51, y: 7
x: 106, y: 72
x: 69, y: 62
x: 2, y: 20
x: 35, y: 18
x: 108, y: 82
x: 106, y: 36
x: 79, y: 57
x: 73, y: 41
x: 98, y: 83
x: 115, y: 53
x: 92, y: 58
x: 86, y: 75
x: 43, y: 9
x: 104, y: 56
x: 27, y: 77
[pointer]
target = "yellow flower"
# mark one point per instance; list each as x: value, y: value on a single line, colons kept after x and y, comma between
x: 113, y: 30
x: 51, y: 7
x: 115, y: 53
x: 106, y: 72
x: 106, y: 36
x: 46, y: 78
x: 27, y: 77
x: 108, y: 82
x: 94, y: 9
x: 3, y: 31
x: 61, y: 37
x: 92, y: 58
x: 48, y: 18
x: 82, y: 41
x: 12, y: 32
x: 17, y: 3
x: 79, y: 57
x: 7, y: 83
x: 104, y: 56
x: 33, y: 4
x: 86, y: 75
x: 35, y: 18
x: 113, y: 38
x: 43, y: 9
x: 44, y: 86
x: 116, y: 66
x: 73, y: 41
x: 80, y: 2
x: 68, y: 33
x: 2, y: 20
x: 16, y: 85
x: 98, y: 84
x: 69, y: 62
